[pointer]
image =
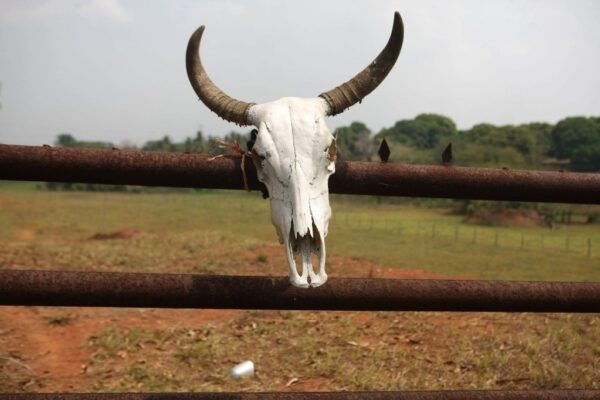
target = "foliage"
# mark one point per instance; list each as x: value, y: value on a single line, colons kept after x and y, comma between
x: 197, y: 144
x: 481, y: 155
x: 573, y: 143
x: 423, y: 132
x: 67, y: 140
x: 578, y: 139
x: 354, y: 142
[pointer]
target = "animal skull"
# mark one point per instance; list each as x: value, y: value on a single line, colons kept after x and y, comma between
x: 296, y: 150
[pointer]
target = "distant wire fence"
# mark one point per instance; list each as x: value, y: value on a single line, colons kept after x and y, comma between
x: 60, y: 288
x: 509, y: 238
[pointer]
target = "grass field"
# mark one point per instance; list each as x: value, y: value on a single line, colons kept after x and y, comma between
x: 395, y: 236
x: 54, y: 349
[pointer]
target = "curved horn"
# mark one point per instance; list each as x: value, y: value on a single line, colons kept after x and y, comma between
x: 214, y: 98
x: 353, y: 91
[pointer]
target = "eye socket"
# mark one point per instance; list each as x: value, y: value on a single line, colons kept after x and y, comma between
x: 250, y: 143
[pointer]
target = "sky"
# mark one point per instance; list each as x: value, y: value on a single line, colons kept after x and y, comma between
x: 114, y: 70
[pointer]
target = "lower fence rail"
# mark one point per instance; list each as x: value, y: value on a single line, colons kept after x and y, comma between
x: 118, y: 289
x: 580, y: 394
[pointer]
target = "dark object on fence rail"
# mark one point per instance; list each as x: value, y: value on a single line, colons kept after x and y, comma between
x: 117, y: 289
x: 378, y: 179
x: 573, y: 394
x: 384, y: 151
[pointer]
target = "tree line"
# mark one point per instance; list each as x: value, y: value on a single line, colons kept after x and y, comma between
x: 573, y: 143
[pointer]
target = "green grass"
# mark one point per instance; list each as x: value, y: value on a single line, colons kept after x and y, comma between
x: 179, y: 228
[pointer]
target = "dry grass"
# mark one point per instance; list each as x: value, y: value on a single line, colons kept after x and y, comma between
x: 223, y: 233
x: 355, y: 351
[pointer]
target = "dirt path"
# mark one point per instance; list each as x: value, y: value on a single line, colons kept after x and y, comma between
x: 49, y: 345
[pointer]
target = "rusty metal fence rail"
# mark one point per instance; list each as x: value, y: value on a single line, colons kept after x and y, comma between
x: 118, y: 289
x: 362, y: 178
x: 62, y: 288
x: 398, y: 395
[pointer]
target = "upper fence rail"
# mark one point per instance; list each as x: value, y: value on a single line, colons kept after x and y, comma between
x: 362, y: 178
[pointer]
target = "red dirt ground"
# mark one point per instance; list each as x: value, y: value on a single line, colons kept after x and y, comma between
x: 50, y: 344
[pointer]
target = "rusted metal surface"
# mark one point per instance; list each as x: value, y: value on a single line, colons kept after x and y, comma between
x: 402, y: 395
x: 381, y: 179
x: 117, y: 289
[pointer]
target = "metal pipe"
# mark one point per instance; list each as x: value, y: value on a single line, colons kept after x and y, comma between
x: 380, y: 179
x: 572, y: 394
x: 118, y: 289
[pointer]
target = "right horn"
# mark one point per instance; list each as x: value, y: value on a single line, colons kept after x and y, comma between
x: 353, y: 91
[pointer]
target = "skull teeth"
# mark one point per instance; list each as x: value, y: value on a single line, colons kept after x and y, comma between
x: 303, y: 247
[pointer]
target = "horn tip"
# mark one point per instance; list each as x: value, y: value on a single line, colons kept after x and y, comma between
x: 199, y: 31
x: 398, y: 20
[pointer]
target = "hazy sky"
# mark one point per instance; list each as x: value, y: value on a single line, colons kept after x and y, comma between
x: 114, y: 69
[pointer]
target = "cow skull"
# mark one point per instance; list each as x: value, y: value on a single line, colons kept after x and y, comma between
x: 296, y: 150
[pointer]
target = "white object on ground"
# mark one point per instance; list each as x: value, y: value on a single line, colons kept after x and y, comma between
x: 243, y: 369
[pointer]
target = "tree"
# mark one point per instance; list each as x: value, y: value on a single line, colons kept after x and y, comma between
x: 68, y: 140
x: 354, y: 142
x: 196, y: 144
x: 578, y: 139
x: 423, y: 132
x: 438, y: 127
x: 164, y: 144
x: 65, y: 140
x: 531, y: 140
x: 481, y: 155
x: 586, y: 158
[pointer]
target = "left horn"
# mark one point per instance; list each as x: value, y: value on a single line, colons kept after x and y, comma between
x: 353, y: 91
x: 214, y: 98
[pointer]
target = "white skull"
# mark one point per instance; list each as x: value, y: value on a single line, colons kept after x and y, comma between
x: 297, y: 150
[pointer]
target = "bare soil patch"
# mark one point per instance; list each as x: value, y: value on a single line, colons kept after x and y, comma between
x: 506, y: 217
x: 51, y: 344
x: 120, y: 234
